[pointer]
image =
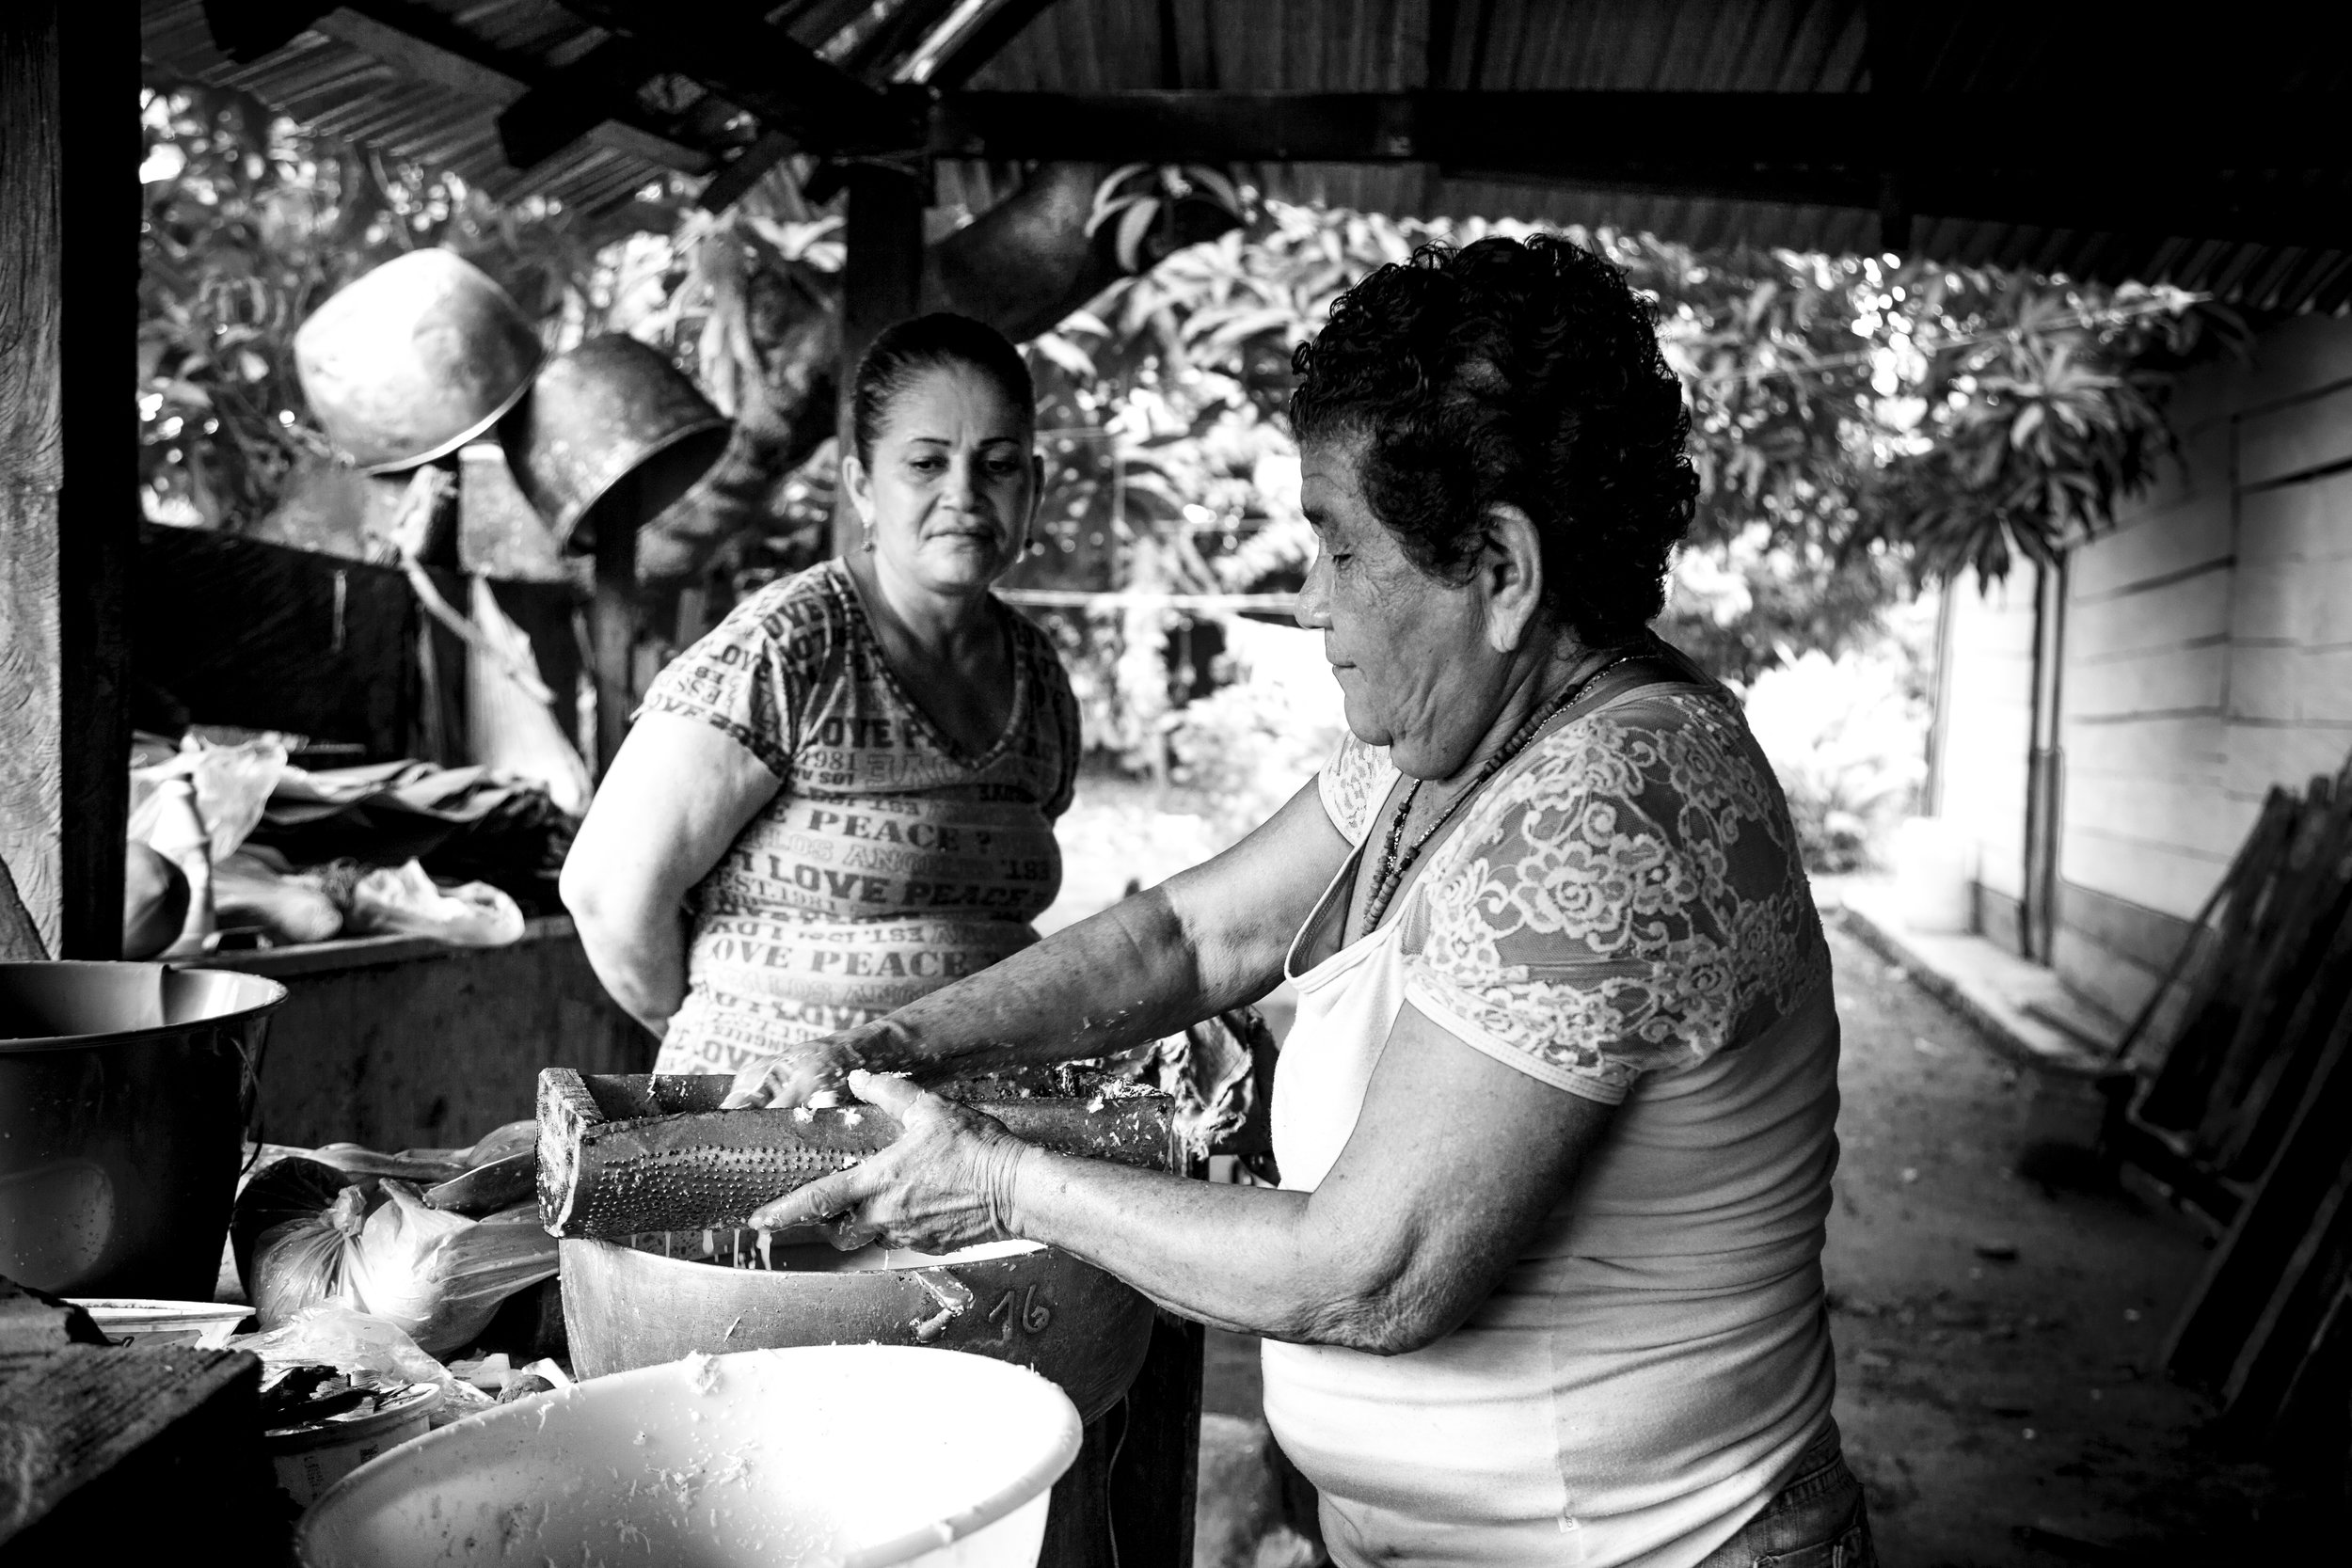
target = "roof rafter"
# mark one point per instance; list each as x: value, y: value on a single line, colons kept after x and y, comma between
x: 423, y: 46
x: 731, y: 49
x: 962, y: 42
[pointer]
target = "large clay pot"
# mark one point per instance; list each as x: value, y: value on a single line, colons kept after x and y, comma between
x: 609, y: 410
x: 412, y: 360
x: 1067, y: 1320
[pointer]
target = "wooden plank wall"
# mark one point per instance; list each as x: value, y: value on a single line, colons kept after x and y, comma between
x: 399, y: 1043
x: 2208, y: 655
x: 64, y: 549
x: 242, y: 631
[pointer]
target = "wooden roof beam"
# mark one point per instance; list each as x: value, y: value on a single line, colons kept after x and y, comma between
x: 424, y: 46
x: 965, y: 41
x: 1485, y: 127
x: 2042, y: 163
x: 572, y: 103
x: 731, y: 48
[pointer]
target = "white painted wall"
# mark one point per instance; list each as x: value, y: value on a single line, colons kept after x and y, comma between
x: 2208, y: 655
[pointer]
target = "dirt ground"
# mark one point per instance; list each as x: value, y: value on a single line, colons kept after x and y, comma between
x: 1997, y: 1334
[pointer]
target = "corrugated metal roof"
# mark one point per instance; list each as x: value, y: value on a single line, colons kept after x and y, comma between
x: 2019, y: 48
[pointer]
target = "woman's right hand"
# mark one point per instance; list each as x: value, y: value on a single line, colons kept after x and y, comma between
x: 806, y: 1072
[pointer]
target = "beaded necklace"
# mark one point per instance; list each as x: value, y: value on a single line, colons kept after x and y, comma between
x: 1393, y: 866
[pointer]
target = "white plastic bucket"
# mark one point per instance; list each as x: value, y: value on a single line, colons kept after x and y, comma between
x: 1935, y: 872
x: 854, y: 1456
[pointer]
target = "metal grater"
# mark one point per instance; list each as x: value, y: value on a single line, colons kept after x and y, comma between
x: 620, y: 1155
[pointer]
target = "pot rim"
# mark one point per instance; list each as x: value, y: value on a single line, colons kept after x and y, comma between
x: 567, y: 521
x: 273, y: 996
x: 471, y: 432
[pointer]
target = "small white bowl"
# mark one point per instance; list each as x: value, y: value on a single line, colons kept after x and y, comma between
x: 205, y: 1324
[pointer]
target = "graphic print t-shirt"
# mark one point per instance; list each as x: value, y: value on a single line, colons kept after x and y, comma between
x: 891, y: 861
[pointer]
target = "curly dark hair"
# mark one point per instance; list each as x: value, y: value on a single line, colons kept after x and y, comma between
x: 1519, y: 371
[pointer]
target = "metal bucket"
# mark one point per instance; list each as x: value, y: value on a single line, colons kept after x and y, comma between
x: 412, y: 360
x: 611, y: 410
x: 125, y: 1089
x: 1066, y: 1321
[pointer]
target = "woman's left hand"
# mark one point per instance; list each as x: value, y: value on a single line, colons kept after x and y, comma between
x: 946, y: 1182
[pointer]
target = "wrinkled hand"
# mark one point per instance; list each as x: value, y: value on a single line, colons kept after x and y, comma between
x: 806, y: 1072
x: 947, y: 1182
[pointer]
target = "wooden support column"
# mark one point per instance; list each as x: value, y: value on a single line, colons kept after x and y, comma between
x: 2045, y: 764
x: 882, y: 282
x: 612, y: 620
x: 65, y: 325
x: 1158, y: 1467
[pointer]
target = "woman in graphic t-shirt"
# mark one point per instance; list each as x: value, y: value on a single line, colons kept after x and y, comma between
x: 852, y: 783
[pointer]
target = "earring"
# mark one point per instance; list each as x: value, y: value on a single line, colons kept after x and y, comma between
x: 869, y: 537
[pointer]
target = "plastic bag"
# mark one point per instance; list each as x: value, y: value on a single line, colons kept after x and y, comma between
x: 168, y: 822
x: 351, y: 1341
x: 229, y: 783
x: 1210, y: 1071
x: 247, y: 890
x: 407, y: 902
x: 300, y: 1263
x: 307, y: 1234
x: 440, y: 1276
x: 509, y: 727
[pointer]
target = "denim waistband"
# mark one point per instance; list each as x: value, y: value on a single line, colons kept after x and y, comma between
x: 1820, y: 1468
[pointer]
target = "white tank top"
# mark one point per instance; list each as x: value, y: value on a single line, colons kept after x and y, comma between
x: 1643, y: 1380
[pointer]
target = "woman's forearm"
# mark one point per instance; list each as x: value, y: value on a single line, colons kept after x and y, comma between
x: 1252, y: 1260
x: 1209, y: 939
x: 1129, y: 975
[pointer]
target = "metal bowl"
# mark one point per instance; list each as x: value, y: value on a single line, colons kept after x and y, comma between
x: 124, y: 1095
x: 625, y: 1307
x: 610, y: 410
x: 414, y: 360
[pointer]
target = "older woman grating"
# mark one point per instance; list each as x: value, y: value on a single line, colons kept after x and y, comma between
x: 1542, y: 1281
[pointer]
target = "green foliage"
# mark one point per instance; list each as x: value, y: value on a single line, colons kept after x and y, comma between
x: 2041, y: 406
x: 1852, y: 420
x: 1846, y: 738
x: 251, y: 222
x: 1742, y: 606
x: 1273, y: 720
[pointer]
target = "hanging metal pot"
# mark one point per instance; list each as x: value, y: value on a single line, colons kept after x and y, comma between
x: 412, y: 360
x: 610, y: 410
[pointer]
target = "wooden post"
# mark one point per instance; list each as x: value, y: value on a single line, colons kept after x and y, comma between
x: 64, y: 329
x: 881, y: 283
x: 612, y: 620
x: 1151, y: 1483
x: 2045, y: 764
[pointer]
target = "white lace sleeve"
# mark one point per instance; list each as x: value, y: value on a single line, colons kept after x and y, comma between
x: 1353, y: 784
x: 1631, y: 900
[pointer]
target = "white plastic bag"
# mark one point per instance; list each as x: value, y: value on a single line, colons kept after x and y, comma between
x: 301, y: 1262
x: 508, y: 725
x: 335, y: 1335
x: 408, y: 902
x: 443, y: 1276
x: 439, y: 1277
